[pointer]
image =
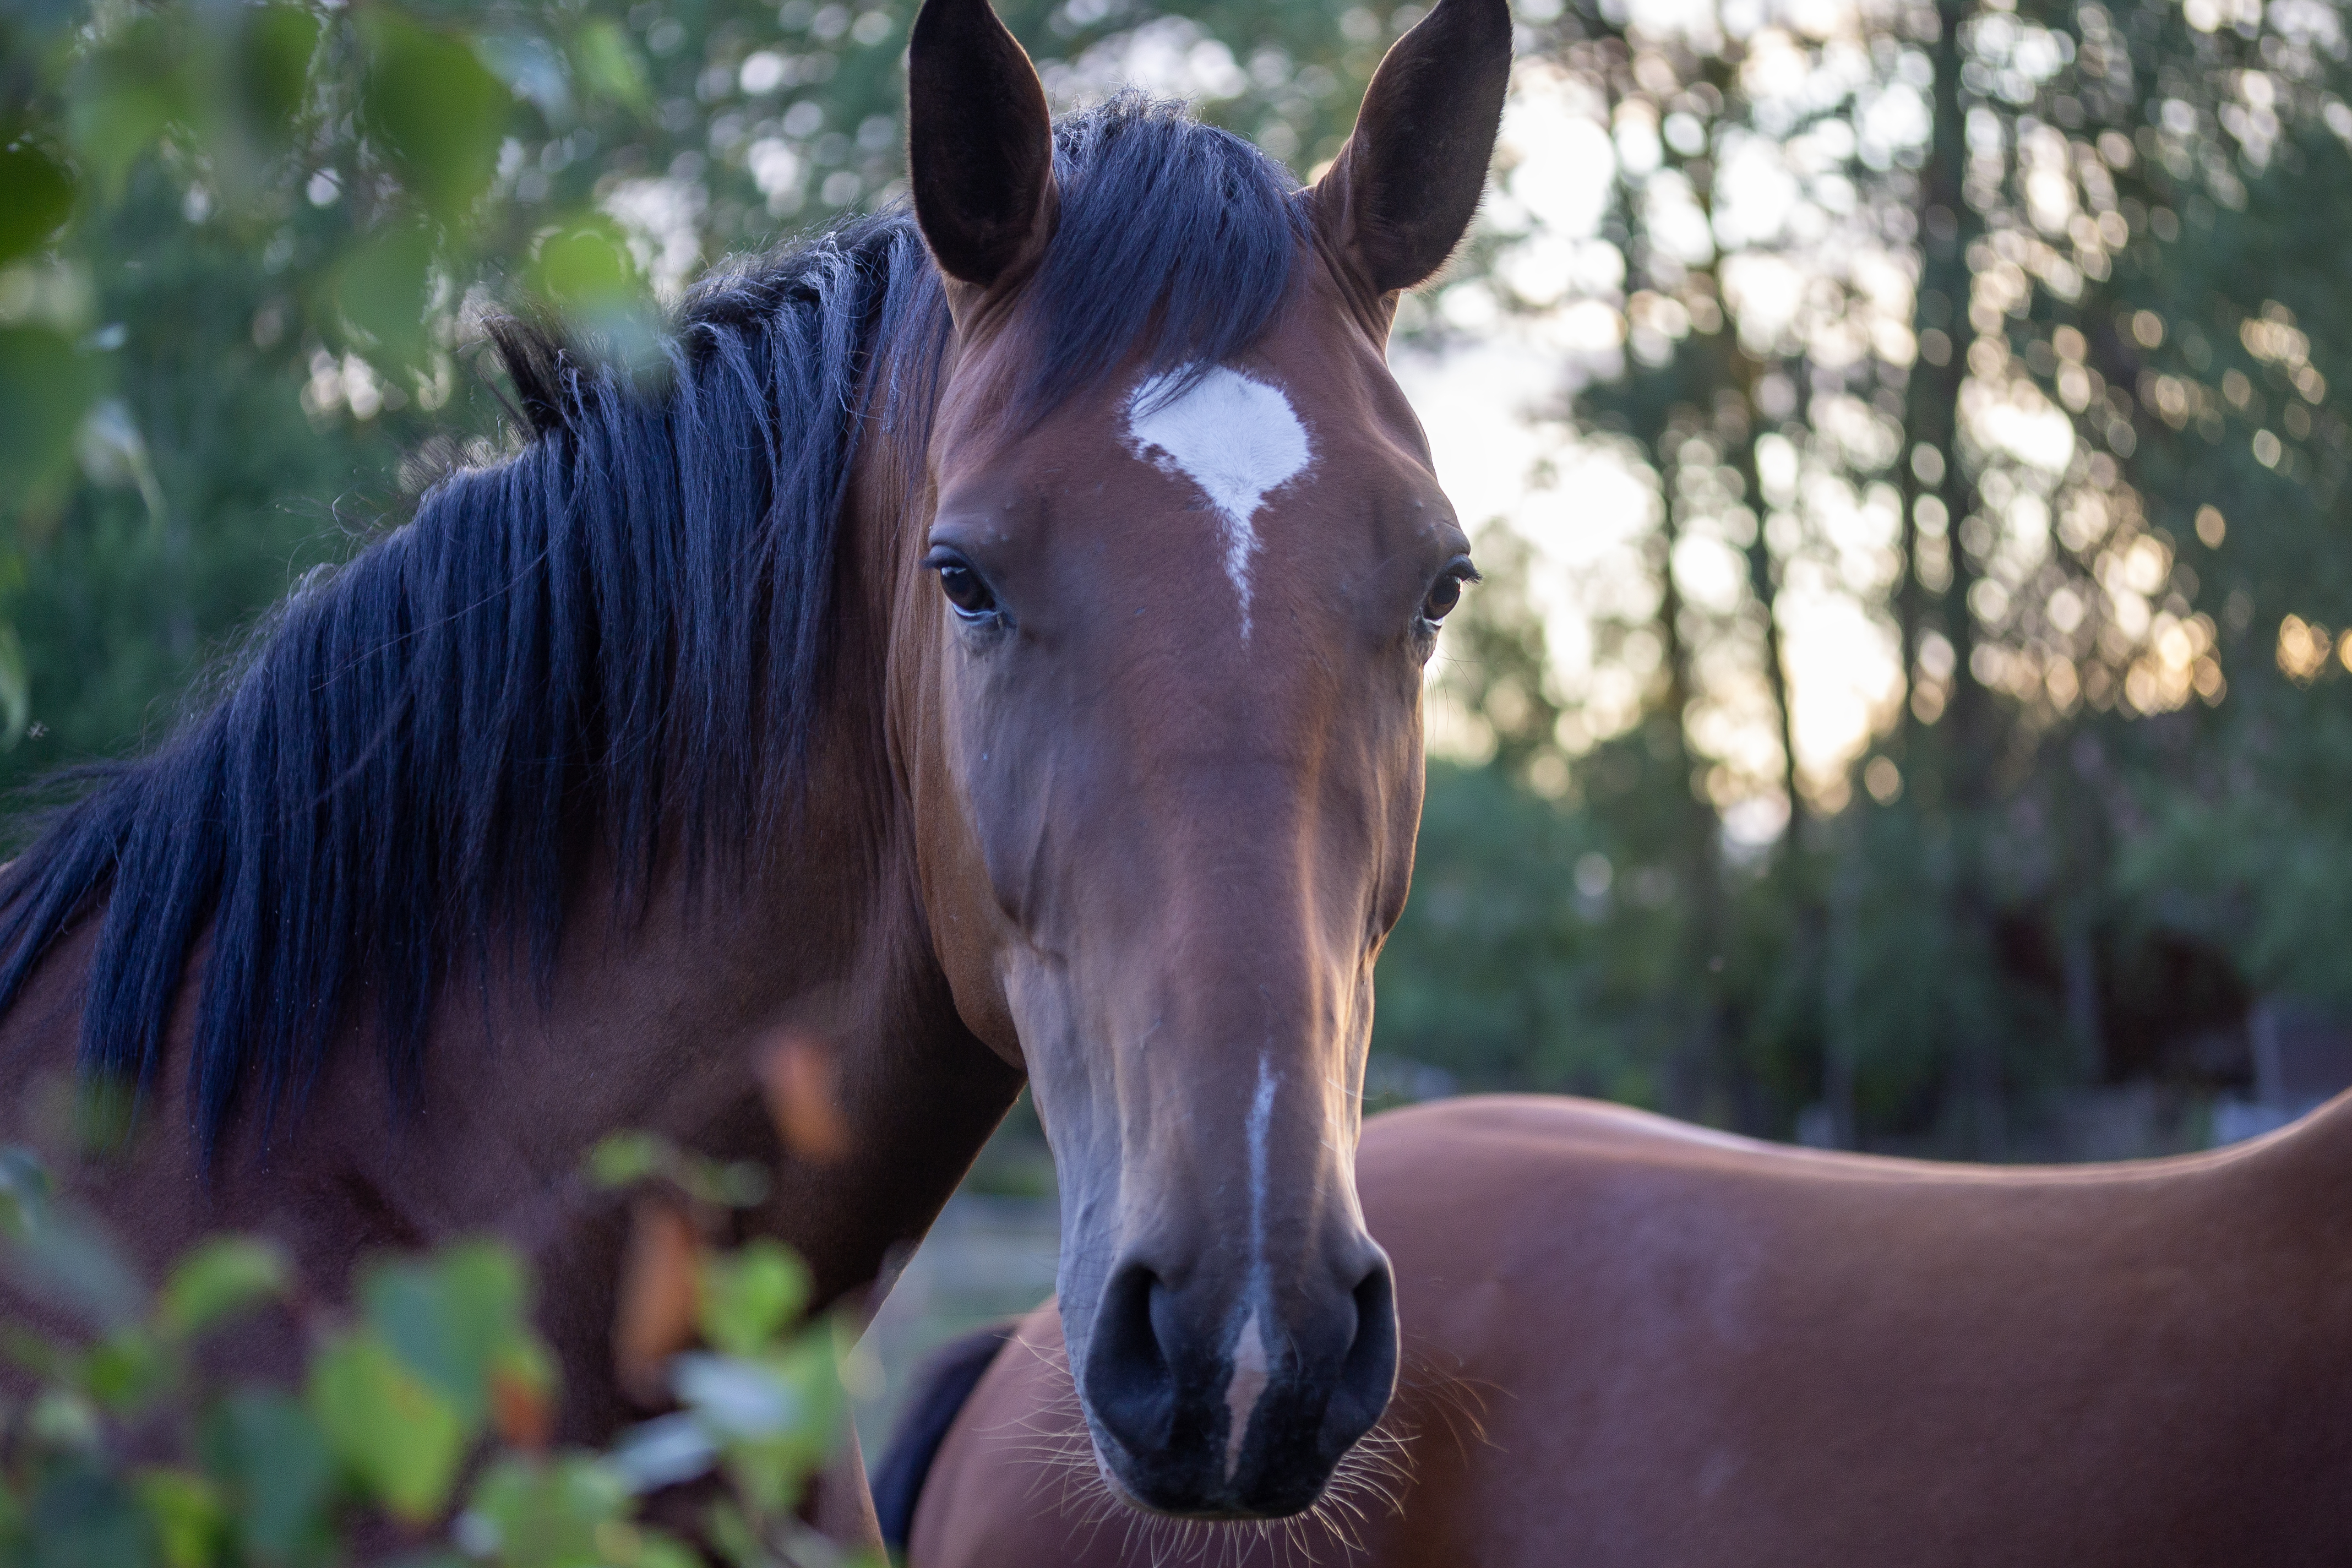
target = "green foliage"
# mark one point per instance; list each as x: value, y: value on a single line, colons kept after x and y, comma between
x: 436, y: 108
x: 36, y: 195
x: 45, y: 385
x: 266, y: 1466
x: 437, y: 1383
x: 748, y: 1299
x: 381, y: 289
x: 462, y: 1320
x: 218, y: 1280
x: 390, y: 1426
x: 627, y: 1159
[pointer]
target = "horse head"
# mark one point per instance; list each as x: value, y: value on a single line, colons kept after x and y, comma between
x: 1159, y: 703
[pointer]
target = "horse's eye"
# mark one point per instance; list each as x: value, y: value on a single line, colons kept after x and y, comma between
x: 964, y: 588
x: 1446, y: 592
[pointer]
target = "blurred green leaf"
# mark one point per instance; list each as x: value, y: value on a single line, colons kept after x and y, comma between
x: 391, y: 1428
x: 566, y: 1512
x: 125, y: 1372
x: 458, y: 1320
x: 626, y: 1159
x: 15, y: 713
x: 608, y: 64
x: 23, y: 1189
x: 37, y: 195
x: 191, y: 1527
x: 223, y: 1277
x: 127, y: 90
x: 274, y: 64
x: 438, y: 110
x: 45, y: 386
x: 654, y: 1549
x: 531, y: 69
x: 62, y: 1421
x: 39, y: 16
x: 380, y: 291
x: 82, y: 1517
x: 586, y: 271
x: 586, y: 265
x: 273, y: 1463
x: 75, y: 1267
x: 749, y: 1296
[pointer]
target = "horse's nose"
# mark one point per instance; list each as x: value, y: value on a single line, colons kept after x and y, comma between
x: 1209, y: 1402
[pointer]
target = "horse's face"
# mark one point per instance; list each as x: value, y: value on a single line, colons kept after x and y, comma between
x: 1170, y: 752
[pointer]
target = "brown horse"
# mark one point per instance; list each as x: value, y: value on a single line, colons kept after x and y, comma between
x: 1633, y: 1342
x: 996, y: 643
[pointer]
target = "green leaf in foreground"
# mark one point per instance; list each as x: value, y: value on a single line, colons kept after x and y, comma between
x: 24, y: 1190
x: 458, y: 1319
x: 272, y: 1462
x: 586, y: 266
x: 76, y: 1267
x: 123, y: 98
x: 608, y: 64
x: 437, y: 109
x: 274, y: 63
x: 626, y: 1159
x: 380, y: 291
x: 81, y: 1517
x: 15, y: 715
x: 184, y: 1510
x: 45, y: 386
x: 552, y: 1513
x: 36, y: 196
x: 391, y: 1428
x: 748, y: 1297
x: 126, y: 1371
x: 223, y: 1277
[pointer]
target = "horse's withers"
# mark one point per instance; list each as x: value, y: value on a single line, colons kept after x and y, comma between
x: 1170, y: 720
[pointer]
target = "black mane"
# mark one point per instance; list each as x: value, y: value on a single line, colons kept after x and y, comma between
x: 612, y: 641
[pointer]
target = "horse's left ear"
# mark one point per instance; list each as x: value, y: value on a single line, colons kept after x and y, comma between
x: 979, y: 143
x: 1403, y: 189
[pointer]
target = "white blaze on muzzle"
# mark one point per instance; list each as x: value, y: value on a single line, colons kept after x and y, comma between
x: 1242, y: 1394
x: 1236, y: 439
x: 1251, y: 1367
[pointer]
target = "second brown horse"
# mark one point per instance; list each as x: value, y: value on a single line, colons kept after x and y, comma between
x: 1633, y: 1342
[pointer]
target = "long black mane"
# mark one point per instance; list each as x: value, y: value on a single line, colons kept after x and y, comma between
x: 611, y: 643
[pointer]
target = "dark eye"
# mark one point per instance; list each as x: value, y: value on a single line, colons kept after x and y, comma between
x: 1446, y: 592
x: 965, y: 588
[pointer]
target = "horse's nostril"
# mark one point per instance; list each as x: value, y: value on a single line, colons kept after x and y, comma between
x: 1128, y: 1377
x: 1368, y: 1372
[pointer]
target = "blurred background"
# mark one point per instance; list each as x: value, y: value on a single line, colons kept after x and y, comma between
x: 1910, y: 704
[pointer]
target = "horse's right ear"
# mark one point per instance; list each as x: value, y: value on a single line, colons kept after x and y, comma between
x: 1403, y: 189
x: 979, y: 143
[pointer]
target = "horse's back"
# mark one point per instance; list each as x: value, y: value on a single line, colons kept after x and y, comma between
x: 1712, y: 1350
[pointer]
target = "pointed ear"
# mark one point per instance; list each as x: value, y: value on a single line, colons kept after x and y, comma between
x: 979, y: 142
x: 1403, y: 189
